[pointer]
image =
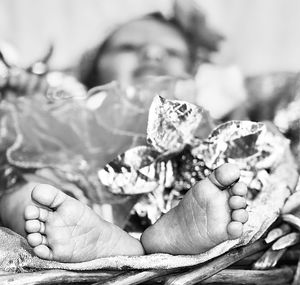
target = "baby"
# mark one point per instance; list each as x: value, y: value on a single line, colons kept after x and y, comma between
x: 63, y: 229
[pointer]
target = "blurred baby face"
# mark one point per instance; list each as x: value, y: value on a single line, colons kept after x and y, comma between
x: 142, y: 48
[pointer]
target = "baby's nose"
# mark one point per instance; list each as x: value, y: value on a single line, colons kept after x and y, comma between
x: 153, y: 53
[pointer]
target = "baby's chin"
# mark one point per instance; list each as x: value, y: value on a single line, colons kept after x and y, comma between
x: 141, y: 80
x: 146, y: 77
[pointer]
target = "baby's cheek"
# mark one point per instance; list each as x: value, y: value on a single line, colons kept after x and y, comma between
x: 119, y: 67
x: 176, y: 67
x: 126, y: 68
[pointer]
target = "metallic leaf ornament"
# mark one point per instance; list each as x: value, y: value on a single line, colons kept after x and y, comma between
x: 174, y: 124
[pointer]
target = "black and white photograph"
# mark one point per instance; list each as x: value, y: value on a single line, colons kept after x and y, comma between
x: 149, y: 142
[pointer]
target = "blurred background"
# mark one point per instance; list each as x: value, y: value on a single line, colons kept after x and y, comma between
x: 261, y: 35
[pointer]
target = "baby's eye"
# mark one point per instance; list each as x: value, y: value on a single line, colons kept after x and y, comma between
x: 175, y: 53
x: 128, y: 48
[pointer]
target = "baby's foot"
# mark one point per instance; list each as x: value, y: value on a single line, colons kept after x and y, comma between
x: 63, y: 229
x: 206, y: 216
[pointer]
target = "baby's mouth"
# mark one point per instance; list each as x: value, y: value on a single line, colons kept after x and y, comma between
x: 149, y: 70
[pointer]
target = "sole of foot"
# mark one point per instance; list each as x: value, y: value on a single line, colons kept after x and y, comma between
x: 211, y: 212
x: 63, y: 229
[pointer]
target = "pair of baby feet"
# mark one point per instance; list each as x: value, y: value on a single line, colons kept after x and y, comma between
x: 63, y: 229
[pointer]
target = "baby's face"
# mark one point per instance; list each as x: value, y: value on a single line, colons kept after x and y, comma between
x: 145, y: 47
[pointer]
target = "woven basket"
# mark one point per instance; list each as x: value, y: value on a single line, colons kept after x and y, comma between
x: 234, y: 267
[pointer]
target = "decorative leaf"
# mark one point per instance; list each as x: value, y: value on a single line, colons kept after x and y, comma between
x: 172, y: 124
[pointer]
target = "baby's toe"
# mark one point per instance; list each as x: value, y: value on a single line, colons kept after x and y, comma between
x: 31, y: 212
x: 239, y: 189
x: 227, y: 174
x: 234, y: 229
x: 43, y: 214
x: 237, y: 202
x: 240, y: 215
x: 48, y: 196
x: 34, y: 226
x: 43, y: 251
x: 35, y: 239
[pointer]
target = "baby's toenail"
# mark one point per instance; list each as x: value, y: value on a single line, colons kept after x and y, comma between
x: 213, y: 179
x: 234, y: 182
x: 43, y: 214
x: 42, y: 228
x: 44, y: 240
